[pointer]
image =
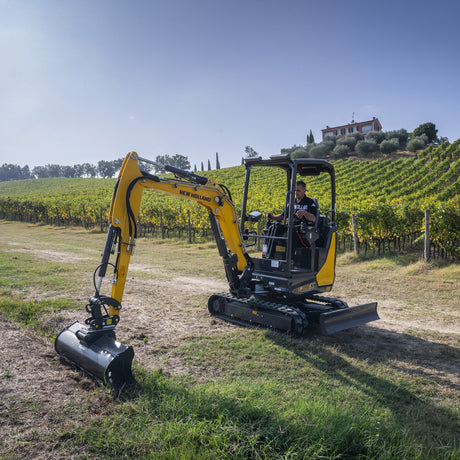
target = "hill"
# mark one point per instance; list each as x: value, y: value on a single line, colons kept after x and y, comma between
x: 388, y: 197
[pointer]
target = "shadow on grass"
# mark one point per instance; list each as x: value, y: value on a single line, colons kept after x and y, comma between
x: 391, y: 416
x: 398, y: 371
x: 415, y: 355
x: 163, y: 418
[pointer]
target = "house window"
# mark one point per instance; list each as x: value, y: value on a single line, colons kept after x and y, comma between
x: 350, y: 130
x: 366, y: 129
x: 339, y: 132
x: 330, y: 133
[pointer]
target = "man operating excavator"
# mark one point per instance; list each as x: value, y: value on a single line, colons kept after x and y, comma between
x: 305, y: 207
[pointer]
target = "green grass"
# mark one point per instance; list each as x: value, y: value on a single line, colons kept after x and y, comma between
x: 176, y: 257
x: 34, y: 313
x: 365, y: 393
x: 347, y: 413
x: 33, y: 272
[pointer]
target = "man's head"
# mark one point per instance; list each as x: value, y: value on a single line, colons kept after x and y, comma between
x: 300, y: 189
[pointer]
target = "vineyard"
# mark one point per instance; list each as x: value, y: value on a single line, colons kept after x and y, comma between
x: 388, y: 198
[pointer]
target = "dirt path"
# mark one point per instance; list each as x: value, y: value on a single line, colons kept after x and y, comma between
x: 36, y: 394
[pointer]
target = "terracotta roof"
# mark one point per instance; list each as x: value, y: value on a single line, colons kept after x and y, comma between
x: 351, y: 124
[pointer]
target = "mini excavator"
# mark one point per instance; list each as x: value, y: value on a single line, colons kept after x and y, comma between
x: 280, y: 290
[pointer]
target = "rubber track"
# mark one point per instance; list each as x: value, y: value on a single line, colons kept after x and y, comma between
x: 337, y: 303
x: 299, y: 317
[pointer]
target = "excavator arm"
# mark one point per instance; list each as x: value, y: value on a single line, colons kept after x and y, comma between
x: 86, y: 347
x: 123, y: 218
x: 124, y: 212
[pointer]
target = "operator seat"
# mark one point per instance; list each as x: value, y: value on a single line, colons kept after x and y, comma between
x: 311, y: 231
x: 304, y: 255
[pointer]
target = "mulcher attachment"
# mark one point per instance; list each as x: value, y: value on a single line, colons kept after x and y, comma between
x: 97, y: 353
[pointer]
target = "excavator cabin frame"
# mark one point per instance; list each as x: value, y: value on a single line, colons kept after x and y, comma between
x: 310, y: 267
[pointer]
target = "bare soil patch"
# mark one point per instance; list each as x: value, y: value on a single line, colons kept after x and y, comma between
x: 159, y: 314
x: 49, y: 255
x: 39, y: 396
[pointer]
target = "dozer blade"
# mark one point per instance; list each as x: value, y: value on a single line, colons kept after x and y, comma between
x: 345, y: 318
x: 99, y: 355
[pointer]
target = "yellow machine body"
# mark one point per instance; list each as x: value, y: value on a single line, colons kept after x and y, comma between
x: 277, y: 291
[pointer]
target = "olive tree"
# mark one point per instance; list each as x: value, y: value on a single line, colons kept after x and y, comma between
x: 417, y: 143
x: 389, y: 145
x: 365, y: 148
x: 322, y: 149
x: 376, y: 136
x: 340, y: 151
x: 429, y: 129
x: 402, y: 135
x: 349, y: 141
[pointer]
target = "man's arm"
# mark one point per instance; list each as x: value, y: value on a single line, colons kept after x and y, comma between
x: 304, y: 213
x: 277, y: 217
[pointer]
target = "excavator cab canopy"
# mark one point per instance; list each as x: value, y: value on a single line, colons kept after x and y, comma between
x: 293, y: 255
x: 303, y: 167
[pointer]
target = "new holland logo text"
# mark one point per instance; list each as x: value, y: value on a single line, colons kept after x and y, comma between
x: 197, y: 196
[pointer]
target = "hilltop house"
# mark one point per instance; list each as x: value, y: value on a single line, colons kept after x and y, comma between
x: 362, y: 127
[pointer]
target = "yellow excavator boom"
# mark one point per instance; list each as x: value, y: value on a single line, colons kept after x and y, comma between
x: 125, y: 205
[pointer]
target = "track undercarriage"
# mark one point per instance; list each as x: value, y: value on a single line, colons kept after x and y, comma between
x: 315, y: 314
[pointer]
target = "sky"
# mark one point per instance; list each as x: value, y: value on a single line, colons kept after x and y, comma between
x: 89, y: 80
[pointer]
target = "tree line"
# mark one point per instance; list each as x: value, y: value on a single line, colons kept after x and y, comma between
x: 182, y: 162
x: 217, y: 165
x: 332, y: 147
x: 104, y: 169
